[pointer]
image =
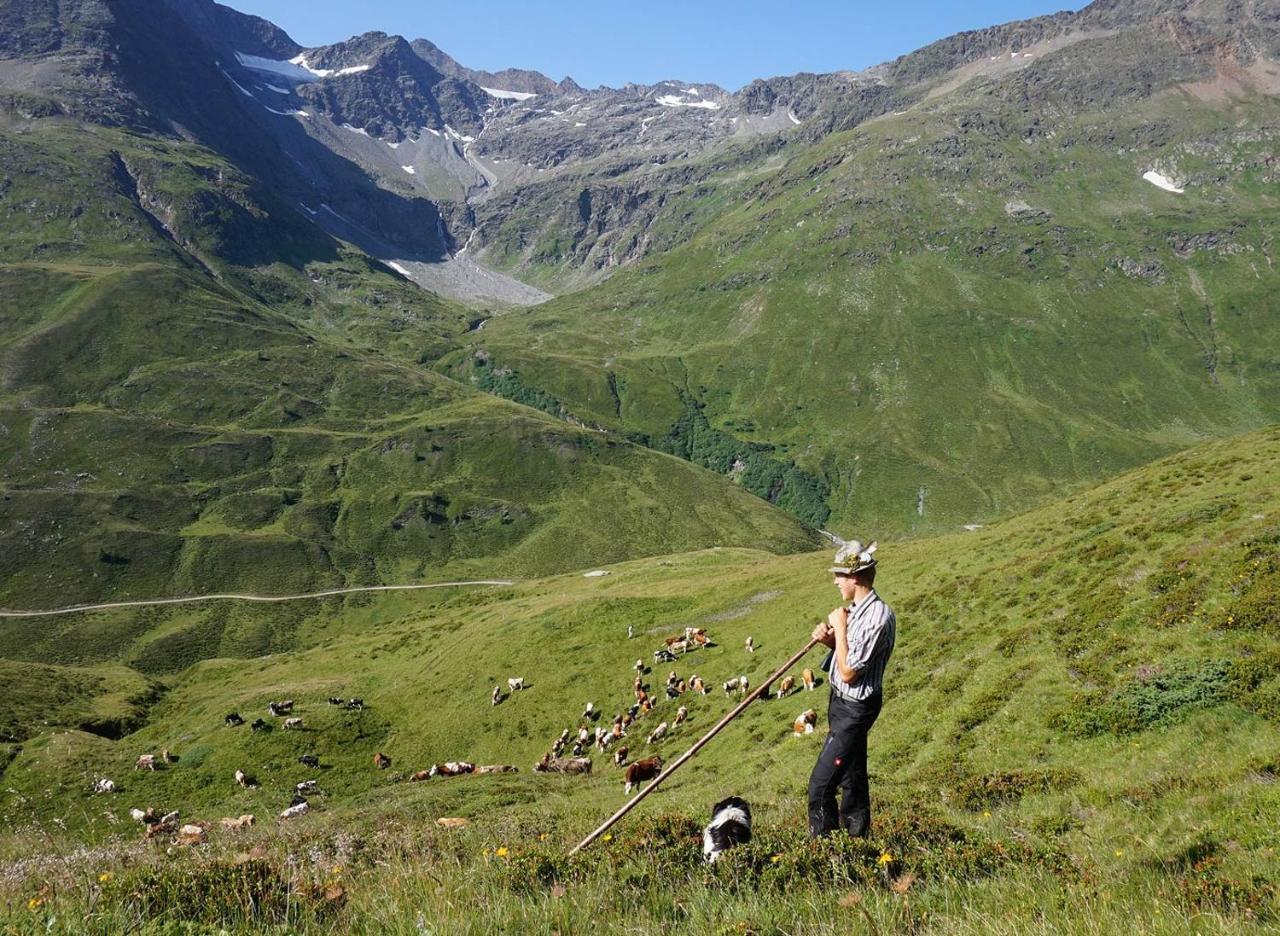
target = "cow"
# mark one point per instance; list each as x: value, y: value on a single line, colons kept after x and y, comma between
x: 673, y: 692
x: 355, y: 704
x: 641, y: 694
x: 260, y: 725
x: 590, y: 711
x: 334, y: 700
x: 191, y: 834
x: 168, y: 756
x: 293, y: 724
x: 631, y: 631
x: 233, y: 719
x: 681, y: 714
x: 497, y: 768
x: 807, y: 678
x: 515, y: 683
x: 451, y: 769
x: 620, y: 756
x: 584, y: 734
x: 682, y: 687
x: 309, y: 760
x: 568, y: 765
x: 697, y: 684
x: 663, y: 655
x: 104, y: 785
x: 640, y: 771
x: 805, y: 721
x: 296, y: 810
x: 646, y: 706
x: 496, y: 696
x: 278, y: 709
x: 737, y: 684
x: 305, y: 786
x: 420, y: 776
x: 658, y: 733
x: 639, y: 667
x: 751, y: 645
x: 785, y: 686
x: 381, y: 761
x: 243, y: 779
x: 672, y: 678
x: 145, y: 762
x: 701, y: 640
x: 147, y: 815
x: 166, y: 825
x: 235, y: 825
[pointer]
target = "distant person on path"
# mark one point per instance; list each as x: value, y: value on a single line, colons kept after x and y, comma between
x: 860, y: 634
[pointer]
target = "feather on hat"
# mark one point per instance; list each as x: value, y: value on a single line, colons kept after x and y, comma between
x: 851, y: 556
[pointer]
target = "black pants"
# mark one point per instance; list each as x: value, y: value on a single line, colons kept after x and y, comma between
x: 843, y: 764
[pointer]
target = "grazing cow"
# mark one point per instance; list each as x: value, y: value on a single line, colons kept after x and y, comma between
x: 697, y: 685
x: 641, y: 695
x: 682, y: 687
x: 701, y: 640
x: 630, y: 716
x: 785, y: 686
x: 104, y: 785
x: 805, y: 722
x: 235, y: 825
x: 620, y: 756
x: 590, y: 711
x: 618, y: 730
x: 419, y: 776
x: 807, y: 678
x: 640, y: 667
x: 260, y: 725
x: 497, y: 768
x: 568, y: 765
x: 293, y: 724
x: 145, y: 762
x: 640, y: 771
x: 692, y: 634
x: 646, y: 706
x: 732, y: 685
x: 191, y: 835
x: 333, y: 700
x: 577, y: 749
x: 664, y: 655
x: 673, y: 692
x: 584, y: 734
x: 451, y: 769
x: 681, y: 714
x: 381, y: 761
x: 658, y: 733
x: 515, y: 683
x: 143, y: 815
x: 305, y: 786
x: 496, y: 697
x: 243, y: 779
x: 309, y: 760
x: 672, y: 678
x: 280, y: 708
x: 167, y: 756
x: 166, y: 825
x: 233, y: 719
x: 751, y: 645
x: 355, y: 704
x: 296, y: 810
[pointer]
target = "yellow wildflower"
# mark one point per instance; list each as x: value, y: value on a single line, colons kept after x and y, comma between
x: 35, y: 903
x: 775, y: 859
x: 885, y: 858
x: 1119, y: 852
x: 104, y: 877
x: 608, y: 837
x: 501, y: 852
x: 542, y: 837
x: 986, y: 813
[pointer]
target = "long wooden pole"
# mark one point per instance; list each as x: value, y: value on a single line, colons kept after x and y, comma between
x: 675, y: 765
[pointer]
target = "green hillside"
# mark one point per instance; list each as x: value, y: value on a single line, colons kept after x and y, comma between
x: 179, y: 417
x: 1080, y: 729
x: 945, y: 314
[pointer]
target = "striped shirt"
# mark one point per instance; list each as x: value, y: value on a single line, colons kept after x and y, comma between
x: 872, y: 629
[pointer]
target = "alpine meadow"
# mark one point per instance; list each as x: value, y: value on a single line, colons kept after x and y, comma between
x: 405, y: 465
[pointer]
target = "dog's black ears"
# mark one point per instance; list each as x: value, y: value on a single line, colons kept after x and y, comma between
x: 729, y: 803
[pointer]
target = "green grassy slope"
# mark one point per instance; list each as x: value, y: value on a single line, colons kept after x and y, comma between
x: 948, y: 313
x: 200, y: 393
x: 1092, y: 686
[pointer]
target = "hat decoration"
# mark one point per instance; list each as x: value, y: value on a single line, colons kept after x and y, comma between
x: 852, y: 556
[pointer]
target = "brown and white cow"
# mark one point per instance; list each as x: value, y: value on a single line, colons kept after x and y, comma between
x: 381, y: 761
x: 497, y: 768
x: 293, y: 724
x: 805, y: 721
x: 620, y: 756
x: 640, y: 771
x: 788, y: 682
x: 451, y: 769
x: 569, y: 765
x: 145, y: 762
x: 515, y: 683
x: 658, y: 733
x: 234, y: 825
x: 806, y: 677
x: 681, y: 714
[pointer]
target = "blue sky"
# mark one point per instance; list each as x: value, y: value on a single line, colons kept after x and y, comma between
x: 611, y: 43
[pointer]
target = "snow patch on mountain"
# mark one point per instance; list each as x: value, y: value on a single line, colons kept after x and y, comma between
x: 409, y: 169
x: 508, y: 95
x: 670, y: 100
x: 1161, y: 181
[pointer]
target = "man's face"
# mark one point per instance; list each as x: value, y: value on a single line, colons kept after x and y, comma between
x: 846, y: 584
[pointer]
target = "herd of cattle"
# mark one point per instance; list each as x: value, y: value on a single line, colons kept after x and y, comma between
x: 588, y: 734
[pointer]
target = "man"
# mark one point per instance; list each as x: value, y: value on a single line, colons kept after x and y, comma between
x: 861, y: 634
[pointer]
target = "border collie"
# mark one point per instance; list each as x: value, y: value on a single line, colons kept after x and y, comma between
x: 730, y: 825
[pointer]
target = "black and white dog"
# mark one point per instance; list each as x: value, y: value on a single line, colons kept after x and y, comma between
x: 730, y: 825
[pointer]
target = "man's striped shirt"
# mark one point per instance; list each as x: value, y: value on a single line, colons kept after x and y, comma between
x: 872, y: 629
